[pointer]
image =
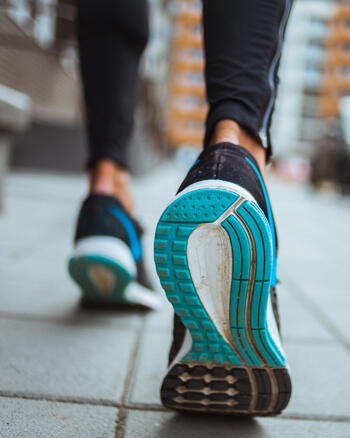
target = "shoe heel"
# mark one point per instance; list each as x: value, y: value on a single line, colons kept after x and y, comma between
x: 213, y: 256
x: 103, y: 267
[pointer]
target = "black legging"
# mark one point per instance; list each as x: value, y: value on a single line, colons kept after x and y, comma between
x: 243, y: 41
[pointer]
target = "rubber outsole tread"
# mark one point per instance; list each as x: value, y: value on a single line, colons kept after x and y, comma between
x: 79, y: 268
x: 185, y: 386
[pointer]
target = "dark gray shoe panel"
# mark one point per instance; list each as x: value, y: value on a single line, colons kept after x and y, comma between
x: 227, y: 162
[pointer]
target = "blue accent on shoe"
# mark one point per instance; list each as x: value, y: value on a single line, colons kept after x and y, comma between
x: 193, y: 166
x: 271, y: 222
x: 133, y: 238
x: 251, y: 339
x: 82, y: 213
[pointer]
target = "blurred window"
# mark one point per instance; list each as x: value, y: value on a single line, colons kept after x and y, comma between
x: 35, y: 17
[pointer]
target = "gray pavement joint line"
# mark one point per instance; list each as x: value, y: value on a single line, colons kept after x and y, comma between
x: 299, y: 340
x: 155, y: 408
x: 317, y: 312
x: 122, y: 413
x: 298, y: 417
x: 62, y: 320
x: 292, y: 416
x: 57, y: 399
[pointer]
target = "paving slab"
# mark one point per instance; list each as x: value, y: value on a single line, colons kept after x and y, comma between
x: 74, y: 360
x: 314, y: 253
x: 44, y: 302
x: 162, y: 319
x: 338, y: 314
x: 23, y: 233
x: 330, y: 304
x: 305, y: 219
x: 321, y: 384
x: 172, y: 425
x: 150, y: 368
x: 318, y: 279
x: 46, y: 419
x: 298, y: 324
x: 6, y: 261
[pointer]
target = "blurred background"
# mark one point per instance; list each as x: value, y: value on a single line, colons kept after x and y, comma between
x: 41, y: 116
x: 65, y: 371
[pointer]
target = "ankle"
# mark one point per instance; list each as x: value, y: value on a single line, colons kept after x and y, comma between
x: 108, y: 178
x: 230, y: 131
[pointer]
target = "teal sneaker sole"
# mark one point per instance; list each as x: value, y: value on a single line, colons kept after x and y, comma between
x: 234, y: 362
x: 101, y: 280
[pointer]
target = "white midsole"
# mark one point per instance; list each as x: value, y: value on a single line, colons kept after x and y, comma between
x: 209, y: 258
x: 110, y: 247
x: 185, y: 348
x: 272, y: 327
x: 138, y: 294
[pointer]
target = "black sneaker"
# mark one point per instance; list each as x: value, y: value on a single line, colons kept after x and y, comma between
x: 107, y: 261
x: 215, y: 254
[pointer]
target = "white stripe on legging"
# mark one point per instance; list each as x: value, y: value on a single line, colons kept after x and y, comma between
x: 262, y: 133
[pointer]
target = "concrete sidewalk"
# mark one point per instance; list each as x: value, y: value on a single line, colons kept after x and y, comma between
x: 68, y: 372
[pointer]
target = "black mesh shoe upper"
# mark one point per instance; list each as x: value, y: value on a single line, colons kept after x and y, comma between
x: 227, y: 162
x: 96, y: 218
x: 178, y: 336
x: 103, y: 215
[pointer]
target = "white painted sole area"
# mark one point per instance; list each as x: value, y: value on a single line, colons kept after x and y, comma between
x: 135, y: 293
x: 272, y: 327
x: 209, y: 255
x: 104, y: 279
x: 108, y: 247
x: 116, y: 250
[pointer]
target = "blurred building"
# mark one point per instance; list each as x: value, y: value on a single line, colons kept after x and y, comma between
x: 336, y: 78
x: 38, y: 58
x: 187, y: 106
x: 30, y: 61
x: 296, y: 122
x: 148, y: 144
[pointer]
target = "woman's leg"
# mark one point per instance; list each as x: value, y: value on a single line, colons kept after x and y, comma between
x: 107, y: 261
x: 220, y: 231
x: 112, y: 36
x: 243, y: 42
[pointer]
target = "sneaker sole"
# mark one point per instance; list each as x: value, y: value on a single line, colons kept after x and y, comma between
x: 214, y: 237
x: 103, y: 267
